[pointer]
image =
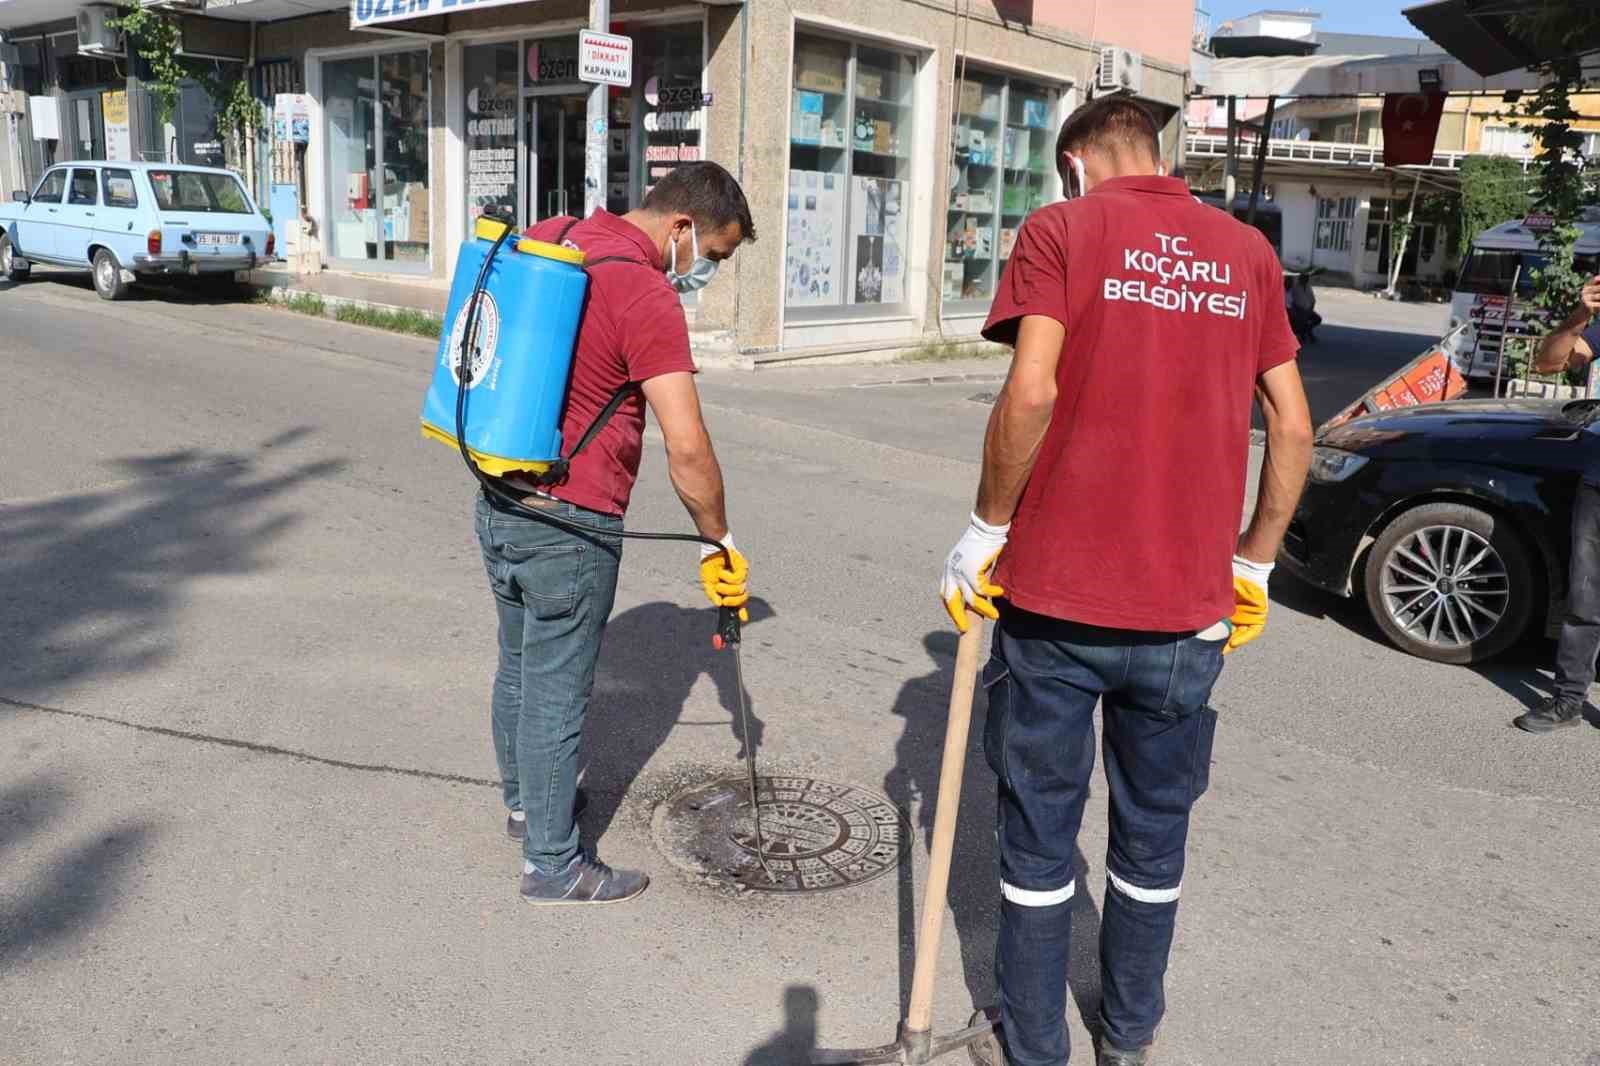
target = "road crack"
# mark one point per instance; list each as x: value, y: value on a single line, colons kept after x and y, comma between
x: 251, y: 746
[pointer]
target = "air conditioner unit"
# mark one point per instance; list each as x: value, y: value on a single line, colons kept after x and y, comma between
x: 95, y: 35
x: 1121, y: 70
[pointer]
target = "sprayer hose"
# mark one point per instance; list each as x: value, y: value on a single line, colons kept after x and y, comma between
x: 493, y: 491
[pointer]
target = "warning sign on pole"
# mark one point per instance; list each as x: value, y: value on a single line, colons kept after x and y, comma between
x: 605, y: 59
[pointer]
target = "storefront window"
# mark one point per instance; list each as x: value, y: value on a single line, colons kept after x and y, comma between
x: 491, y: 128
x: 671, y: 113
x: 849, y: 165
x: 1001, y: 170
x: 377, y: 124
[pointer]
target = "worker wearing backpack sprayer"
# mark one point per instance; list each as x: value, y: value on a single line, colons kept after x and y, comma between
x: 554, y: 587
x: 1113, y: 479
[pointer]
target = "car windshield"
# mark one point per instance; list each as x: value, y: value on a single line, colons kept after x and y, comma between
x: 1491, y: 270
x: 193, y: 190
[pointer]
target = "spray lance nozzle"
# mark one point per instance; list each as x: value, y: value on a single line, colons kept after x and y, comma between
x: 728, y: 632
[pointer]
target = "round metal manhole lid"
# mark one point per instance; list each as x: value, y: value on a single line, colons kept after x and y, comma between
x: 818, y: 835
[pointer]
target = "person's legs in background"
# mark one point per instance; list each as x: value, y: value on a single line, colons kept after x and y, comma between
x: 1580, y: 629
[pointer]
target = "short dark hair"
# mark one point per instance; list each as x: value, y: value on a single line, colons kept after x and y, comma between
x: 707, y: 193
x: 1110, y: 122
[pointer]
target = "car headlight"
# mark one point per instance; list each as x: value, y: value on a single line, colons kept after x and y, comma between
x: 1329, y: 465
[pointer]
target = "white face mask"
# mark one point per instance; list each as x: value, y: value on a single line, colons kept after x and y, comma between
x: 700, y: 272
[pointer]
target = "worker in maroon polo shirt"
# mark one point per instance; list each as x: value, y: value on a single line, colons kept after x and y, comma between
x: 553, y: 589
x: 1106, y: 544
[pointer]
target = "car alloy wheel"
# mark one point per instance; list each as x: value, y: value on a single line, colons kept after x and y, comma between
x: 106, y: 273
x: 1445, y: 586
x: 108, y: 276
x: 5, y: 257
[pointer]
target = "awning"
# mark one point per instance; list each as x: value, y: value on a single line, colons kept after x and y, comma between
x: 1480, y: 34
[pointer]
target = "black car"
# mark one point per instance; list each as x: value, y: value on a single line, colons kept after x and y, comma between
x: 1454, y: 519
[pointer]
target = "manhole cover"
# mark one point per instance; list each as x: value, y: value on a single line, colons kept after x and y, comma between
x: 818, y: 835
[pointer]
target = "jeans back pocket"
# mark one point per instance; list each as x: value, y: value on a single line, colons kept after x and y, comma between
x: 548, y: 577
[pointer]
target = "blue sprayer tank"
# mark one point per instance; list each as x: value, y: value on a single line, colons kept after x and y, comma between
x: 523, y: 344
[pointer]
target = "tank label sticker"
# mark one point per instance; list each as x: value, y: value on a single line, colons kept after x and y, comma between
x: 485, y: 343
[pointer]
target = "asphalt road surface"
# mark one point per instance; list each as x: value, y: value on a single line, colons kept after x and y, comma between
x: 247, y: 813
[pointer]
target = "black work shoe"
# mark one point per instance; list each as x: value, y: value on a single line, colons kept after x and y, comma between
x: 517, y: 828
x: 1106, y: 1055
x: 1554, y: 713
x: 987, y: 1051
x: 586, y: 880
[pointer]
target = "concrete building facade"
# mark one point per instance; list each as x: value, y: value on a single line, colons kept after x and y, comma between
x: 889, y: 150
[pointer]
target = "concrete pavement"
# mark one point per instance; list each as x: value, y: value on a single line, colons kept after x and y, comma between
x: 246, y: 807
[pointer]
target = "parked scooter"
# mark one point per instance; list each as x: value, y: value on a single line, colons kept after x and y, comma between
x: 1302, y: 305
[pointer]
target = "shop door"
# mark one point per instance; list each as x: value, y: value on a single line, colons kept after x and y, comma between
x: 556, y: 164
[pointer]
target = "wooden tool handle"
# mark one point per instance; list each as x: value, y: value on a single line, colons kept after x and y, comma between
x: 920, y: 1016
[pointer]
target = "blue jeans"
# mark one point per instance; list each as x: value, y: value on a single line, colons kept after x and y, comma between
x: 553, y: 591
x: 1044, y: 679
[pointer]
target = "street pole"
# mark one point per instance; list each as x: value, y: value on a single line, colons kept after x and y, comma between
x: 594, y: 170
x: 1260, y: 175
x: 1230, y: 174
x: 1405, y: 238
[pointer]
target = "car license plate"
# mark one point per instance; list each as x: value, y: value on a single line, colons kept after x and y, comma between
x: 216, y: 238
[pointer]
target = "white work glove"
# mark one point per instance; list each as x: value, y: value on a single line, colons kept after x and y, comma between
x: 967, y: 570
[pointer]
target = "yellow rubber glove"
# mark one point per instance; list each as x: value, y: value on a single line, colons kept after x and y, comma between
x: 1249, y: 602
x: 967, y: 573
x: 727, y: 584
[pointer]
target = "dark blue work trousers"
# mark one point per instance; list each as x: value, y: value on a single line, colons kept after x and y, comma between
x: 1044, y: 679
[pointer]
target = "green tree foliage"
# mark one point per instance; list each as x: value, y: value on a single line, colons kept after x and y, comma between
x: 158, y: 39
x: 1494, y: 189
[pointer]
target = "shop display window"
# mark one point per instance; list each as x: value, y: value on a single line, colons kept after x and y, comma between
x: 1001, y: 169
x: 850, y: 147
x: 376, y: 109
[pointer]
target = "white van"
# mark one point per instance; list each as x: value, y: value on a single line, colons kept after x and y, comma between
x: 1479, y: 301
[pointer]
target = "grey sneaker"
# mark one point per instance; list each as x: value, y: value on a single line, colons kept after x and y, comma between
x: 586, y: 880
x: 517, y: 828
x: 1554, y: 713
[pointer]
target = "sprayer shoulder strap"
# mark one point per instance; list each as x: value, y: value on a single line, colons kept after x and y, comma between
x: 558, y: 470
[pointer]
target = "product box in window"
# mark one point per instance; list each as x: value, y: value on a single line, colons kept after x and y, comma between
x: 832, y: 134
x: 1008, y: 241
x: 954, y: 275
x: 983, y: 242
x: 807, y: 118
x: 883, y: 137
x: 869, y: 83
x: 866, y: 134
x: 971, y: 98
x: 819, y: 68
x: 980, y: 201
x: 1036, y: 114
x: 1016, y: 147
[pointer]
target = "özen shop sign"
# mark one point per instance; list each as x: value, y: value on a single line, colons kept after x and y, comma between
x: 377, y: 12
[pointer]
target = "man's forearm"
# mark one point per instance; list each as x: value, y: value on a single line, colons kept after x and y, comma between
x: 697, y: 477
x: 1283, y: 476
x: 1016, y: 430
x: 1556, y: 350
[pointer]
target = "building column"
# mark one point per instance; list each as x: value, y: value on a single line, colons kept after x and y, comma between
x: 766, y: 45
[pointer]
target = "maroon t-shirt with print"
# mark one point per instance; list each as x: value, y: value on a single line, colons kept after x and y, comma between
x: 633, y: 329
x: 1172, y: 310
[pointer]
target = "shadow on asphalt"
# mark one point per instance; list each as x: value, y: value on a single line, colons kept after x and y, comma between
x: 1522, y: 671
x: 1346, y: 361
x: 176, y: 291
x: 650, y: 659
x: 73, y: 889
x: 793, y: 1044
x: 974, y: 874
x: 88, y: 581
